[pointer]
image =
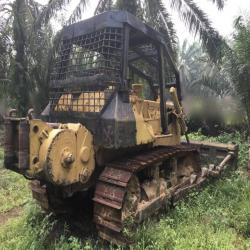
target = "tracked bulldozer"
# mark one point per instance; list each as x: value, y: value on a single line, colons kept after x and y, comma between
x: 114, y: 124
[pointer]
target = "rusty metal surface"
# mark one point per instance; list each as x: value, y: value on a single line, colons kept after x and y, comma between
x: 144, y: 160
x: 216, y: 151
x: 16, y: 144
x: 119, y: 177
x: 112, y: 187
x: 8, y: 140
x: 8, y: 145
x: 23, y: 153
x: 39, y: 193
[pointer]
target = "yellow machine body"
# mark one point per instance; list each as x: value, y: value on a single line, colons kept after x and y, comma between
x: 64, y: 154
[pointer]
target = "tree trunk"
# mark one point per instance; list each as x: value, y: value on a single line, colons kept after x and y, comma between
x: 19, y: 77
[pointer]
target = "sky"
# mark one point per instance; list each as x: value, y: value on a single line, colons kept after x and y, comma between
x: 221, y: 20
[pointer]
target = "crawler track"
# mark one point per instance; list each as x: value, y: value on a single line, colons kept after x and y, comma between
x: 112, y: 187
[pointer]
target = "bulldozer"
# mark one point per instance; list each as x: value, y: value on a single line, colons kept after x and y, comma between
x: 114, y: 124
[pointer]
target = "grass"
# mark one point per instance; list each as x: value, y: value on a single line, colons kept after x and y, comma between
x: 216, y: 218
x: 13, y: 189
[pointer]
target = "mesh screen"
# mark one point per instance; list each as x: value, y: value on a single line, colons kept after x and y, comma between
x: 86, y: 71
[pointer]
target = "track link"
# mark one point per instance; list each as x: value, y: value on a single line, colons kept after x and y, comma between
x: 112, y: 186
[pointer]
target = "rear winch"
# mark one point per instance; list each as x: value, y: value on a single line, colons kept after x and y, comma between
x: 63, y: 153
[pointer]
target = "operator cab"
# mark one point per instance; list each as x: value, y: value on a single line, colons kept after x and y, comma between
x: 99, y: 64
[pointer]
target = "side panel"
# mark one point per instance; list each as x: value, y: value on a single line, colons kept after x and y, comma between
x: 117, y: 125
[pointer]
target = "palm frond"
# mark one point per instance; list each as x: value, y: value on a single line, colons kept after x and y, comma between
x: 220, y: 3
x: 157, y: 16
x: 238, y: 63
x: 238, y: 22
x: 103, y: 5
x: 168, y: 24
x: 168, y: 21
x: 77, y: 13
x: 34, y: 7
x: 198, y: 22
x: 201, y: 76
x: 50, y: 10
x: 6, y: 8
x: 132, y: 6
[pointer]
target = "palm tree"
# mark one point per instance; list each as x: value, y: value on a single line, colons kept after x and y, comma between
x: 5, y: 54
x: 54, y: 6
x: 238, y: 61
x: 32, y: 40
x: 5, y: 61
x: 155, y: 13
x: 200, y: 76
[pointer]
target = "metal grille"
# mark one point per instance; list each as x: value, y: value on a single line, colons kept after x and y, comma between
x: 144, y: 69
x: 85, y: 101
x: 87, y: 69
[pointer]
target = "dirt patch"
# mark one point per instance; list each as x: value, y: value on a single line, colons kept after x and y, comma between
x: 12, y: 213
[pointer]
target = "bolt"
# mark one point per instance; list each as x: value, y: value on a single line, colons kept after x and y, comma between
x: 67, y: 159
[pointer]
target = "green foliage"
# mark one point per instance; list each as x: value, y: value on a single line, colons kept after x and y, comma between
x: 50, y: 10
x: 26, y: 48
x: 238, y: 62
x: 36, y: 230
x: 14, y: 191
x: 198, y: 23
x: 27, y: 55
x: 5, y: 56
x: 220, y: 3
x: 216, y: 218
x: 27, y: 232
x: 1, y: 156
x: 199, y: 75
x: 65, y: 243
x: 130, y: 6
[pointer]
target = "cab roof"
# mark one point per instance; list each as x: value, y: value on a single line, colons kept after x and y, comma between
x: 113, y: 19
